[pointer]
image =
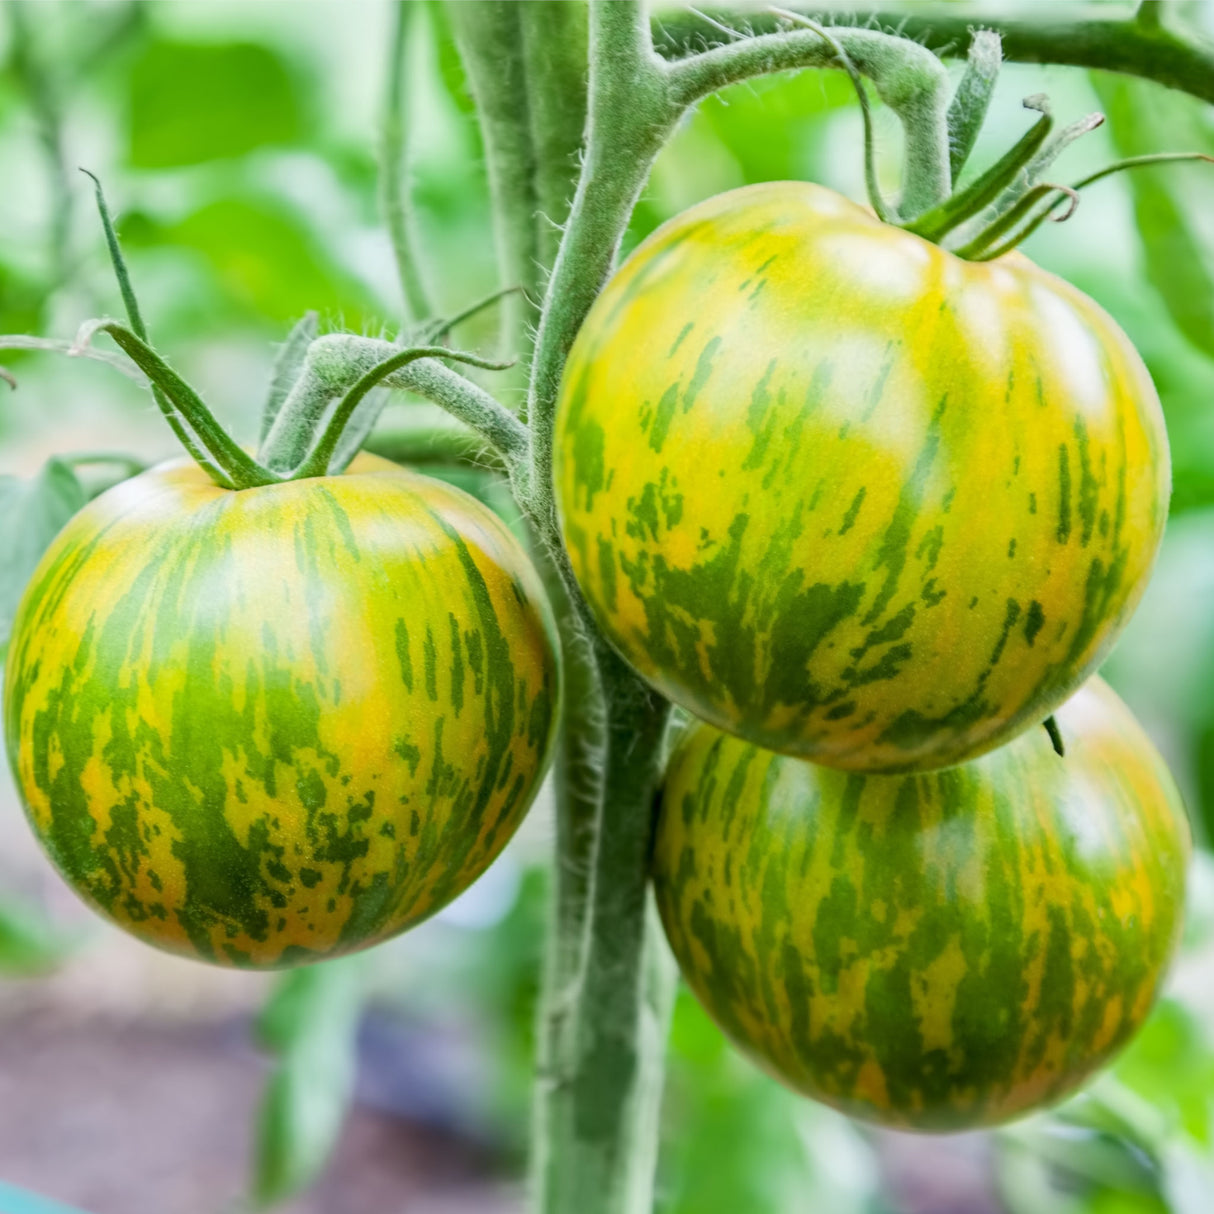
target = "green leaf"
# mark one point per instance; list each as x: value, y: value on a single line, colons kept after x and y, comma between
x: 311, y: 1021
x: 192, y: 102
x: 32, y: 513
x: 28, y: 943
x: 1168, y: 202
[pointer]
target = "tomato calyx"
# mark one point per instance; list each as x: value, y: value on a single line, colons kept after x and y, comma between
x: 316, y: 434
x: 1001, y: 207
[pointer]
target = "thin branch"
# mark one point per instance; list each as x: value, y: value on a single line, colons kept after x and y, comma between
x: 1181, y: 60
x: 490, y: 40
x: 394, y: 184
x: 908, y: 78
x: 497, y: 425
x: 337, y: 362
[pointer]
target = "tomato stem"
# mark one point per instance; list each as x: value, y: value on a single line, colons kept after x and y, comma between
x: 334, y: 367
x: 317, y: 462
x: 881, y: 208
x: 394, y: 195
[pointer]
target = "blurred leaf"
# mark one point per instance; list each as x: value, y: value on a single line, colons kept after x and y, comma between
x: 32, y: 513
x: 737, y: 1141
x: 1168, y: 202
x: 1199, y: 902
x: 1170, y: 1064
x: 28, y: 943
x: 311, y: 1022
x: 266, y: 259
x: 773, y: 127
x: 192, y: 102
x: 21, y: 303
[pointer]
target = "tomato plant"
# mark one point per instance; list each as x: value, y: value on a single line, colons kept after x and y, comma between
x: 931, y: 951
x: 864, y: 487
x: 847, y: 495
x: 275, y: 725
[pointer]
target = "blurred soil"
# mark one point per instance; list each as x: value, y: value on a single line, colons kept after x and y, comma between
x: 138, y: 1117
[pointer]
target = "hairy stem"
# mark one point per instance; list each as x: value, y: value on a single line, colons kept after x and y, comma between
x: 394, y: 185
x: 599, y: 1088
x: 489, y: 35
x: 555, y: 48
x: 630, y: 116
x: 1145, y: 48
x: 909, y: 79
x: 337, y: 362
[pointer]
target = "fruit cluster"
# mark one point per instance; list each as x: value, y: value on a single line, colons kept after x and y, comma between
x: 872, y: 513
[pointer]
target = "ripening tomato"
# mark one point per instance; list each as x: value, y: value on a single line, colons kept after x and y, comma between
x: 933, y: 951
x: 846, y: 495
x: 275, y: 725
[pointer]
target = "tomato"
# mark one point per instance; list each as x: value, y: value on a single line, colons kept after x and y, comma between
x: 931, y: 951
x: 845, y: 495
x: 275, y: 725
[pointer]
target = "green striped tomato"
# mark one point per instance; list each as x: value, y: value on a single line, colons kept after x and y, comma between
x: 933, y: 951
x: 848, y: 496
x: 272, y: 726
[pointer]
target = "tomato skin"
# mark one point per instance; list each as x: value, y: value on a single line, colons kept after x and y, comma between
x: 932, y: 951
x: 847, y: 496
x: 273, y: 726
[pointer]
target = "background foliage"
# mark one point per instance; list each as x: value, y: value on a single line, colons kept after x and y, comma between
x: 236, y: 142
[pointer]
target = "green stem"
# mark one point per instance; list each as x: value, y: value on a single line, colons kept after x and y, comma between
x: 497, y: 425
x: 599, y: 1090
x: 909, y: 79
x: 1180, y: 60
x: 490, y: 40
x: 287, y: 367
x: 630, y: 116
x: 554, y: 40
x: 338, y: 361
x: 394, y: 182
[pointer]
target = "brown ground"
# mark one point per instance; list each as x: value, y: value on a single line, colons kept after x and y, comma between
x: 146, y: 1118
